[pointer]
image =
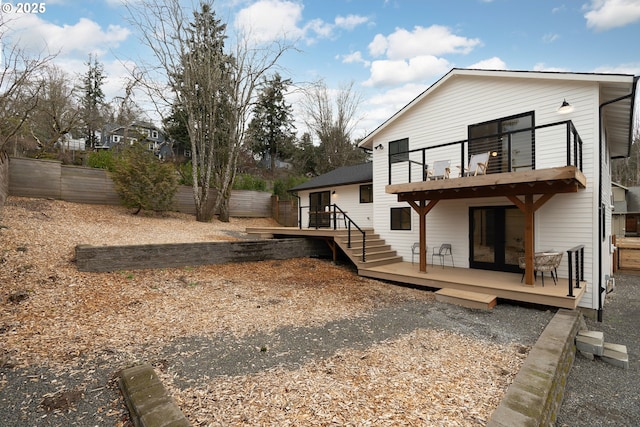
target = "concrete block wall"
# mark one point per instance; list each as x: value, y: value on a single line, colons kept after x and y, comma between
x: 536, y: 393
x: 114, y: 258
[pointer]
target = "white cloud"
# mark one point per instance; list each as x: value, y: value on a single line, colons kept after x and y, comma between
x: 388, y: 72
x: 631, y: 68
x: 86, y: 36
x: 268, y: 20
x: 604, y: 15
x: 494, y: 63
x: 350, y: 22
x: 414, y: 56
x: 434, y: 40
x: 541, y: 66
x: 550, y: 38
x: 354, y: 58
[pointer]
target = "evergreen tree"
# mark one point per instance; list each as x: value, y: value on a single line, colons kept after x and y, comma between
x: 271, y: 132
x: 144, y: 182
x: 92, y: 101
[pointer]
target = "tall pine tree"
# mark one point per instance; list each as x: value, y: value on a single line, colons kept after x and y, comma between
x: 271, y: 132
x: 92, y: 101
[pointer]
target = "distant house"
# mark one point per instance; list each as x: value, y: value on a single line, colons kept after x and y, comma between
x: 141, y: 132
x: 350, y: 188
x: 68, y: 143
x: 626, y: 210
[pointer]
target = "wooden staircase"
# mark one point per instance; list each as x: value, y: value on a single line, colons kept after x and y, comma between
x: 377, y: 251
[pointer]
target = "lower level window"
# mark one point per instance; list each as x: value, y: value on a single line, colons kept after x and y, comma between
x: 401, y: 218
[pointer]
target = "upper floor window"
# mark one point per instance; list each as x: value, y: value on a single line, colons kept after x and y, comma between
x: 116, y: 138
x: 510, y: 140
x: 366, y: 193
x: 154, y: 134
x: 399, y: 150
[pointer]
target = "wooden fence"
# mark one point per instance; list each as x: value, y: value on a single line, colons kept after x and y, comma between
x: 51, y: 179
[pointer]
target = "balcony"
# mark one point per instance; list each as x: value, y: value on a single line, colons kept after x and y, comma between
x: 520, y: 164
x: 524, y: 161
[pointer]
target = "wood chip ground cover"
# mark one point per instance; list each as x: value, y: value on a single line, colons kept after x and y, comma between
x: 52, y: 315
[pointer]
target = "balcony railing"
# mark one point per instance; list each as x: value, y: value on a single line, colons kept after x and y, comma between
x: 551, y: 145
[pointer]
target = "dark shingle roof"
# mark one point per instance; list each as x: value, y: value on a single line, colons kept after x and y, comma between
x: 342, y: 176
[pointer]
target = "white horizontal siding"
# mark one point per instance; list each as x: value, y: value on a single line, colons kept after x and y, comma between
x: 444, y: 116
x: 347, y: 198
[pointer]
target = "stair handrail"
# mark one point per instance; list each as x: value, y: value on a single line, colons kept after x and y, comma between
x: 578, y: 251
x: 349, y: 221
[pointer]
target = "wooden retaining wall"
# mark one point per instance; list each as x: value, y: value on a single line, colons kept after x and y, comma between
x: 51, y: 179
x: 134, y: 257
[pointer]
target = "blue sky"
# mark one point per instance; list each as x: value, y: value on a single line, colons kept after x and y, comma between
x: 390, y: 49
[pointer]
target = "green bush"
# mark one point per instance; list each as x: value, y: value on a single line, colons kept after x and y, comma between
x: 249, y: 182
x: 143, y: 182
x: 185, y: 170
x: 281, y: 186
x: 102, y: 159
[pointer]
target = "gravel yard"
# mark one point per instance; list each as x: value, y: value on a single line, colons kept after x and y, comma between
x: 296, y: 342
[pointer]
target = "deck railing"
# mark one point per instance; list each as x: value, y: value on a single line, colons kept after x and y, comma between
x: 510, y: 152
x: 575, y: 255
x: 333, y: 215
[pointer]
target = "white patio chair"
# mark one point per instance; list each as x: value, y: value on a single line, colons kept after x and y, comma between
x: 441, y: 170
x: 478, y: 164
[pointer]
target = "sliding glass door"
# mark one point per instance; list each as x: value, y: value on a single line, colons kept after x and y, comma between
x: 496, y: 237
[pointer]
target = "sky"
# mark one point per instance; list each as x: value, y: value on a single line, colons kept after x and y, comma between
x: 390, y: 50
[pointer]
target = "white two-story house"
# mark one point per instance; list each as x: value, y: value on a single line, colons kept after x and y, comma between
x: 504, y: 165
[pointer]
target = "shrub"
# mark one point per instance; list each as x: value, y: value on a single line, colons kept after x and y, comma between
x: 281, y: 186
x: 102, y: 159
x: 143, y: 182
x: 249, y: 182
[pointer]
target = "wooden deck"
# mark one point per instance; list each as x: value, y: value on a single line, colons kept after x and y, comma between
x: 506, y: 286
x: 503, y: 285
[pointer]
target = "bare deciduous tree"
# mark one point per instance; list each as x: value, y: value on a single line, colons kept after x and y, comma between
x: 216, y: 97
x: 20, y: 84
x: 57, y: 112
x: 332, y: 120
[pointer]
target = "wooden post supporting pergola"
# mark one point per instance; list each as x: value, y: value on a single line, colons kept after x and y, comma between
x: 423, y: 209
x: 528, y: 207
x: 515, y: 186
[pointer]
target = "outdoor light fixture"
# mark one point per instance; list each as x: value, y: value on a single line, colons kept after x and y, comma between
x: 333, y: 193
x: 379, y: 147
x: 565, y: 108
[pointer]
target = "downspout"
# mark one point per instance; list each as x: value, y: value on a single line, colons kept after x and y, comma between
x: 601, y: 288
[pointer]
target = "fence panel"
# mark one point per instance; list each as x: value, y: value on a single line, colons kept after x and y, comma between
x: 34, y: 178
x: 49, y: 179
x: 87, y: 185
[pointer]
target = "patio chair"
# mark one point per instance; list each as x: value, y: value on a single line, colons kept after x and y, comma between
x: 544, y: 261
x: 441, y: 170
x: 443, y: 251
x: 415, y: 250
x: 478, y: 164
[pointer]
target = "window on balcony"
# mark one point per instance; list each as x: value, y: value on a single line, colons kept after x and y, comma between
x: 401, y: 218
x: 399, y: 150
x: 510, y: 140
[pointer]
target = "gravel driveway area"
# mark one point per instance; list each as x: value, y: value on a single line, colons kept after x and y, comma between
x: 600, y: 394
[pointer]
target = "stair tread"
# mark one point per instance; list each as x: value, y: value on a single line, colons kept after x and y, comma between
x: 469, y: 295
